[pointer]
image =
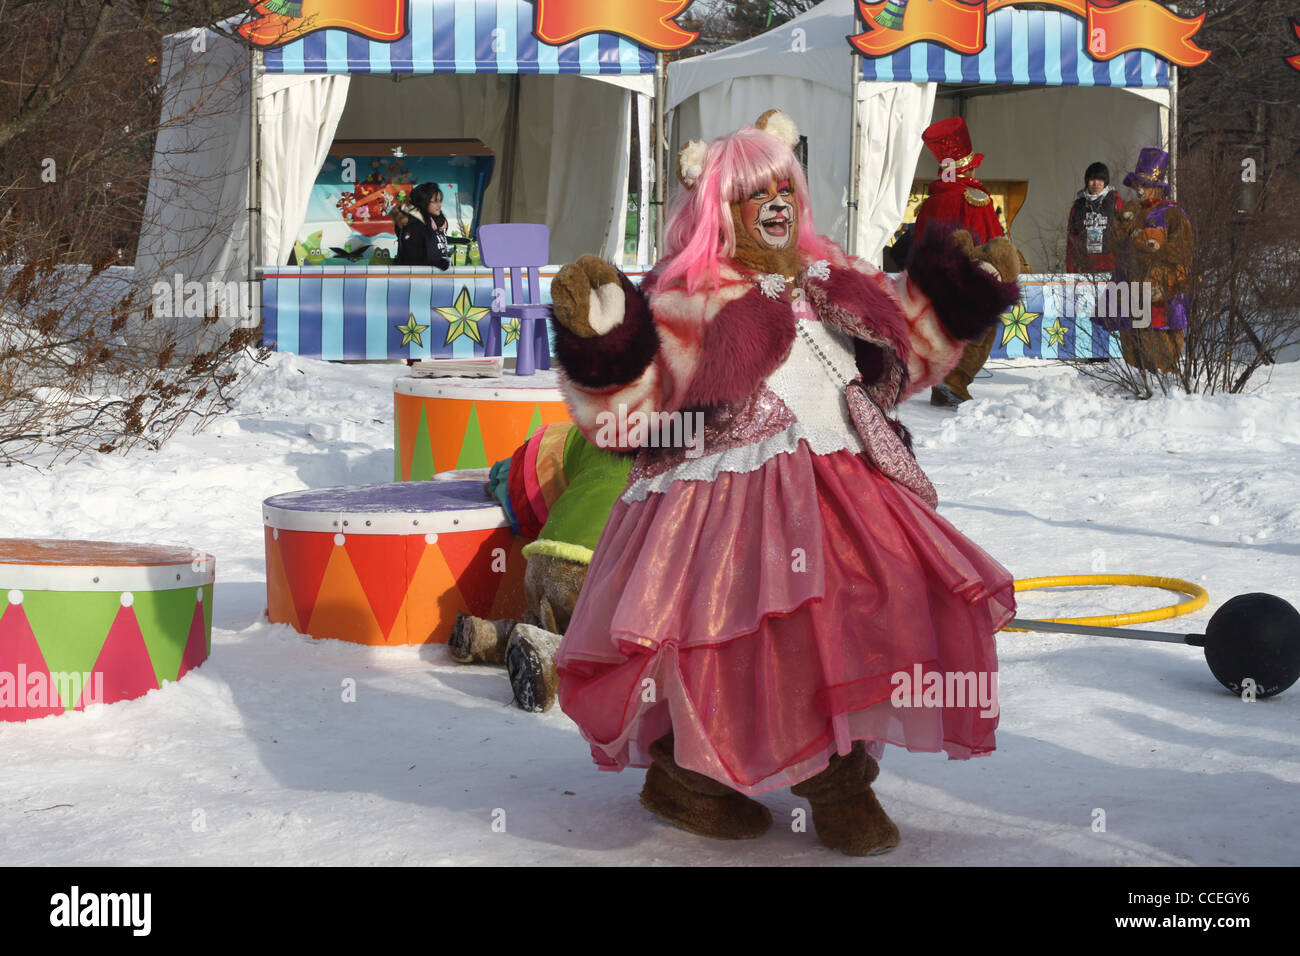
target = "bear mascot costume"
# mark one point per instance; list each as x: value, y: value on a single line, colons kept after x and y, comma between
x: 750, y: 609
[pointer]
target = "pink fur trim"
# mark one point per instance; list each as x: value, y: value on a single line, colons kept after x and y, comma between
x: 744, y: 343
x: 587, y: 407
x: 872, y: 297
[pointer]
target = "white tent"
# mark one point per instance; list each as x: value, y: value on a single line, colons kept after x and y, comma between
x: 1042, y: 125
x: 561, y: 134
x: 804, y: 67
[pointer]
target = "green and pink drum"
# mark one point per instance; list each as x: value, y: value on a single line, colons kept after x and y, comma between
x: 390, y: 563
x: 87, y: 622
x: 446, y: 424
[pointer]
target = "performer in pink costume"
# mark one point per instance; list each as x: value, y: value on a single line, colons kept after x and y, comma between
x: 752, y: 602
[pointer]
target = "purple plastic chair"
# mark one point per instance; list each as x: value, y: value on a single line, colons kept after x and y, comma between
x: 517, y: 246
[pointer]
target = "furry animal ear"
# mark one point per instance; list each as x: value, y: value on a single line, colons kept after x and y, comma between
x: 781, y: 126
x: 690, y: 163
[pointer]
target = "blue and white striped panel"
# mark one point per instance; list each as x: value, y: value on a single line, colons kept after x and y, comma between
x: 1058, y: 300
x: 1022, y: 48
x: 352, y: 312
x: 461, y: 36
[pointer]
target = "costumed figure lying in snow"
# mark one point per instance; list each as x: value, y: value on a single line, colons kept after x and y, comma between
x: 557, y: 490
x: 749, y: 608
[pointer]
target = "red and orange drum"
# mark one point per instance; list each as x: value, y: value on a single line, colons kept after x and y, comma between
x: 390, y: 563
x: 87, y: 622
x: 446, y: 424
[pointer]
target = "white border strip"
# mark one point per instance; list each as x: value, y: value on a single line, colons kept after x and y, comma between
x: 438, y: 388
x: 72, y: 577
x: 417, y: 522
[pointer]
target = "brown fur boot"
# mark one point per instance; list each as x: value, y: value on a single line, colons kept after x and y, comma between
x: 846, y: 814
x: 697, y: 803
x: 551, y: 589
x: 475, y: 640
x: 968, y: 366
x: 530, y: 662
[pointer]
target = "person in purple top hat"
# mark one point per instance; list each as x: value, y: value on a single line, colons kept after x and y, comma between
x: 1152, y: 244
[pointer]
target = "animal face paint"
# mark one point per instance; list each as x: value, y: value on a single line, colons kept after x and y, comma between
x: 771, y: 215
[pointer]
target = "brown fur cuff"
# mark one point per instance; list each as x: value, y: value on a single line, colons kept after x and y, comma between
x: 617, y: 357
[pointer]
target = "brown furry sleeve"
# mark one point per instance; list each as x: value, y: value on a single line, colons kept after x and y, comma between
x: 966, y: 299
x: 1168, y: 267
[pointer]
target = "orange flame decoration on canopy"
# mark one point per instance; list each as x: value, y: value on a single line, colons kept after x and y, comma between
x: 1114, y: 27
x: 648, y: 22
x: 383, y: 20
x: 1295, y: 60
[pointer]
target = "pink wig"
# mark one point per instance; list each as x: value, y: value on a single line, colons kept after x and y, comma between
x: 700, y: 233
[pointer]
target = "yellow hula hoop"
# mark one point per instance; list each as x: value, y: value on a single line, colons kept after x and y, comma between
x: 1200, y: 597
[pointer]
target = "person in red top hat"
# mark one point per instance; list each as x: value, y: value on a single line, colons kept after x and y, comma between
x: 958, y: 199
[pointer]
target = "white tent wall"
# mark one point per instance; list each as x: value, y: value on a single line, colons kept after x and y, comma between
x: 195, y: 223
x: 891, y: 118
x: 804, y: 67
x: 570, y: 151
x: 297, y: 119
x: 822, y: 114
x: 1049, y: 136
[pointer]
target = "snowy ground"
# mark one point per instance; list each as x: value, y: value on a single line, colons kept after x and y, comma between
x: 255, y: 758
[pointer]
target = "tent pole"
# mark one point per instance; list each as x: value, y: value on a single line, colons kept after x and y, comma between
x: 1173, y: 131
x: 661, y: 151
x: 508, y: 147
x: 855, y: 150
x: 256, y: 68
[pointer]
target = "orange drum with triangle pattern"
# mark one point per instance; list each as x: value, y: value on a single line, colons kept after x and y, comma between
x: 449, y: 424
x: 390, y: 563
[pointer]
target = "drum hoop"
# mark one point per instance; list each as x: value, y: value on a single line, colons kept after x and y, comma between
x: 386, y: 523
x: 137, y: 578
x: 498, y: 392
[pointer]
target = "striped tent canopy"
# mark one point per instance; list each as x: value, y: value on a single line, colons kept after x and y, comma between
x: 1023, y: 48
x: 461, y: 36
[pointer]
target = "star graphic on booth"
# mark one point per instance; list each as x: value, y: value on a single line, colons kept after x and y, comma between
x: 463, y: 317
x: 412, y: 332
x: 1056, y: 333
x: 1015, y: 323
x: 511, y: 327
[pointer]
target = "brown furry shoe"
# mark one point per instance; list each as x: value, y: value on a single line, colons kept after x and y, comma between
x: 944, y: 397
x: 846, y: 814
x: 474, y: 639
x: 551, y: 589
x: 697, y: 803
x: 530, y: 662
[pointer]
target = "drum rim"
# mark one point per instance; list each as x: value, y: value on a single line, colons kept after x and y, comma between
x: 456, y: 391
x: 71, y: 578
x: 487, y: 516
x: 193, y: 569
x: 178, y: 554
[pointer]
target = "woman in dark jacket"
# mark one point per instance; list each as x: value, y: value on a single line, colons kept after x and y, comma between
x: 1094, y: 211
x: 422, y: 229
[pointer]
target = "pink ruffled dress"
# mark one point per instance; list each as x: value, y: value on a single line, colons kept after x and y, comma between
x: 760, y: 600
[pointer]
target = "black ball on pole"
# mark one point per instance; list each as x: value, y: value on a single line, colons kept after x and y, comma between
x: 1256, y: 638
